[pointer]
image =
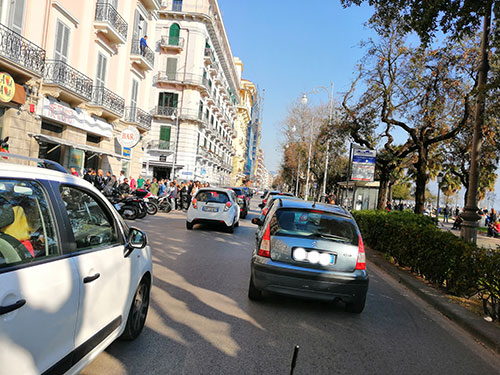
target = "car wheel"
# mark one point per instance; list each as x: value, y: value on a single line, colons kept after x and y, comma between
x: 138, y: 312
x: 189, y: 225
x: 244, y: 214
x: 237, y: 224
x: 253, y: 293
x: 230, y: 229
x: 357, y: 306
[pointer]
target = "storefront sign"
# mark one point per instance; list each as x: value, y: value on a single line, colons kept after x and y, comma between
x: 7, y: 87
x: 54, y: 110
x: 126, y: 152
x: 363, y: 164
x: 76, y: 158
x: 129, y: 137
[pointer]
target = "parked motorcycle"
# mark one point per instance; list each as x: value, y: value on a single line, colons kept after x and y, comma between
x: 150, y: 200
x: 164, y: 204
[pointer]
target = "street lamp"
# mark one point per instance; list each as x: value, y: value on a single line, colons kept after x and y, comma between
x: 175, y: 117
x: 439, y: 179
x: 330, y: 105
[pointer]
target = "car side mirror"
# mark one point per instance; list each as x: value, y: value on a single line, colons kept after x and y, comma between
x: 137, y: 239
x: 257, y: 221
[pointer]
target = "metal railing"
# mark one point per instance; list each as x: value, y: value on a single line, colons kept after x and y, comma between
x: 186, y: 78
x: 60, y: 73
x: 191, y: 114
x: 21, y: 51
x: 171, y: 41
x: 107, y: 13
x: 164, y: 111
x: 160, y: 146
x: 138, y: 116
x: 103, y: 97
x: 144, y: 51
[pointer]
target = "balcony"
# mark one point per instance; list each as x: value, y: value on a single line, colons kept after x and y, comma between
x: 171, y: 43
x: 143, y: 57
x: 70, y: 84
x: 202, y: 153
x: 138, y: 117
x: 192, y: 115
x: 109, y: 22
x: 21, y: 55
x: 160, y: 146
x: 164, y: 112
x: 152, y: 5
x: 106, y: 103
x: 209, y: 56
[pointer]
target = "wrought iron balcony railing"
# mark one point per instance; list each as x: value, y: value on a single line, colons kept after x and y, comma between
x: 59, y: 73
x: 185, y: 78
x: 144, y: 51
x: 105, y: 12
x: 160, y: 146
x: 103, y: 97
x: 138, y: 116
x: 171, y: 41
x: 164, y: 111
x: 21, y: 51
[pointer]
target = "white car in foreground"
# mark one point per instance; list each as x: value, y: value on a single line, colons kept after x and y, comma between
x: 73, y: 276
x: 214, y: 206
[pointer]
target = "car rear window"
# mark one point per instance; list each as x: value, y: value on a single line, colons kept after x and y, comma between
x: 212, y: 196
x: 238, y: 191
x: 314, y: 224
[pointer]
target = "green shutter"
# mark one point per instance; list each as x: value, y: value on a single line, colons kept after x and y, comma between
x: 165, y: 133
x: 175, y: 98
x: 173, y: 38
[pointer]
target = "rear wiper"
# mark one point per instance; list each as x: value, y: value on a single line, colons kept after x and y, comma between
x: 331, y: 236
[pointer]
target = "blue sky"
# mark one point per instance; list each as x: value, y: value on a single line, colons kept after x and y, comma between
x: 290, y: 47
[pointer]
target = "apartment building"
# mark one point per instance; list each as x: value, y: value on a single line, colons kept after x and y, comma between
x: 81, y: 80
x: 253, y: 138
x: 195, y: 91
x: 247, y: 96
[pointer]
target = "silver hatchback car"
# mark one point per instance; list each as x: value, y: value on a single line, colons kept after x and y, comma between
x: 308, y: 249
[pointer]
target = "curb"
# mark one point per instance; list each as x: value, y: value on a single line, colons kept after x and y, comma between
x: 482, y: 330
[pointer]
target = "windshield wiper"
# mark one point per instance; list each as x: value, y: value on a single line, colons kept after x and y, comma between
x: 331, y: 236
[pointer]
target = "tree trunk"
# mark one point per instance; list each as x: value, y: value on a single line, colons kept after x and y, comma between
x: 420, y: 180
x: 382, y: 191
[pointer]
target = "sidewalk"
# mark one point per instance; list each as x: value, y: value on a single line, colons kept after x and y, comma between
x: 482, y: 239
x: 482, y: 330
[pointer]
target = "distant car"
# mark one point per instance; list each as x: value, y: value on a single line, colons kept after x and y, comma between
x: 307, y: 249
x: 270, y: 202
x: 214, y: 206
x: 271, y: 193
x: 242, y: 199
x: 73, y: 276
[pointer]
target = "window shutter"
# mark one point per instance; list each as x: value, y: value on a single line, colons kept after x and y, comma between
x: 101, y: 70
x: 65, y: 42
x: 165, y: 133
x: 135, y: 90
x: 171, y: 68
x: 136, y: 35
x: 175, y: 99
x: 17, y: 16
x: 161, y: 99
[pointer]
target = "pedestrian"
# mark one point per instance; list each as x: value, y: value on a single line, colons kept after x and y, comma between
x: 493, y: 216
x: 172, y: 195
x: 140, y: 183
x: 147, y: 184
x: 133, y: 183
x: 88, y: 176
x: 122, y: 177
x: 110, y: 186
x: 124, y: 188
x: 99, y: 180
x: 108, y: 177
x: 446, y: 213
x: 143, y: 44
x: 389, y: 206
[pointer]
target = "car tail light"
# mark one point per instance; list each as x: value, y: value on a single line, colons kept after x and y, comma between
x: 264, y: 201
x: 228, y: 206
x: 195, y: 203
x: 265, y: 244
x: 361, y: 262
x: 264, y: 211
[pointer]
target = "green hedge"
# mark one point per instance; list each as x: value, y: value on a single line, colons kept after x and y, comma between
x: 440, y: 257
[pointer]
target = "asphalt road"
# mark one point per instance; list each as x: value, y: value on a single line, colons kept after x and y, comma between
x: 201, y: 322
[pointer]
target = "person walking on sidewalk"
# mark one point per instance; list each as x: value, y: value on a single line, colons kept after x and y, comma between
x: 446, y: 214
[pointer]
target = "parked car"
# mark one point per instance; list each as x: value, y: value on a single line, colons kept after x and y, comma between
x: 214, y: 206
x: 270, y: 194
x: 242, y: 199
x: 73, y: 276
x: 308, y: 249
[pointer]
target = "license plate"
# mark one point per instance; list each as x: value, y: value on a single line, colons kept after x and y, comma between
x: 210, y: 209
x: 117, y: 206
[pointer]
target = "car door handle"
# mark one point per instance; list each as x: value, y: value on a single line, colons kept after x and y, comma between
x: 89, y: 279
x: 14, y: 306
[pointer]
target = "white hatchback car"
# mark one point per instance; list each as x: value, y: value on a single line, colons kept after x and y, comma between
x: 73, y: 275
x: 214, y: 206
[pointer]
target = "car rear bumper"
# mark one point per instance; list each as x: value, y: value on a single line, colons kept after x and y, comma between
x: 283, y: 278
x: 210, y: 221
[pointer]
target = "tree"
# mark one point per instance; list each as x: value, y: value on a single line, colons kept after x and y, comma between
x: 457, y: 18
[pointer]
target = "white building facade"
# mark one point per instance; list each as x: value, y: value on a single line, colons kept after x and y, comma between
x: 194, y: 93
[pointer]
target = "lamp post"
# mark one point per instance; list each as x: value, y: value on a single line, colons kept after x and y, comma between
x: 330, y: 114
x: 439, y: 179
x: 175, y: 116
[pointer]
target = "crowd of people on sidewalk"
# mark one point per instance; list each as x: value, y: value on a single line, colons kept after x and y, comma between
x: 176, y: 192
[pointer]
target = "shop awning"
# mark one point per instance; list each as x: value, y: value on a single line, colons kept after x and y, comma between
x: 78, y: 146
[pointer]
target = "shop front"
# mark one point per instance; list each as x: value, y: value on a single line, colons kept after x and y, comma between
x: 74, y: 138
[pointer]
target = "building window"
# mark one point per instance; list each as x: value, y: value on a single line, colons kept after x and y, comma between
x: 177, y: 5
x: 102, y: 63
x: 15, y: 14
x: 62, y: 41
x: 168, y: 99
x: 135, y: 91
x: 93, y: 139
x: 200, y: 110
x: 173, y: 35
x: 172, y: 69
x: 165, y: 138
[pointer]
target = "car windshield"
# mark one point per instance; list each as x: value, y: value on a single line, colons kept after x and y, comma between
x: 212, y: 196
x: 314, y: 224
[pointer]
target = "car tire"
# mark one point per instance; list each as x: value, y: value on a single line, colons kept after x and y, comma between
x: 237, y: 224
x: 189, y: 225
x: 138, y: 311
x: 244, y: 215
x: 357, y: 306
x: 254, y: 294
x: 230, y: 229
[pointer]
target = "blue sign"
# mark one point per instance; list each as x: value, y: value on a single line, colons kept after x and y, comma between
x: 126, y: 151
x: 187, y: 173
x: 203, y: 171
x: 363, y: 164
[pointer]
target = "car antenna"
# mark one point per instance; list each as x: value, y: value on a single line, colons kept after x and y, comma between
x: 294, y: 358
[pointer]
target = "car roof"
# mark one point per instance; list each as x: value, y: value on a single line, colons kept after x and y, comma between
x: 308, y: 205
x: 212, y: 188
